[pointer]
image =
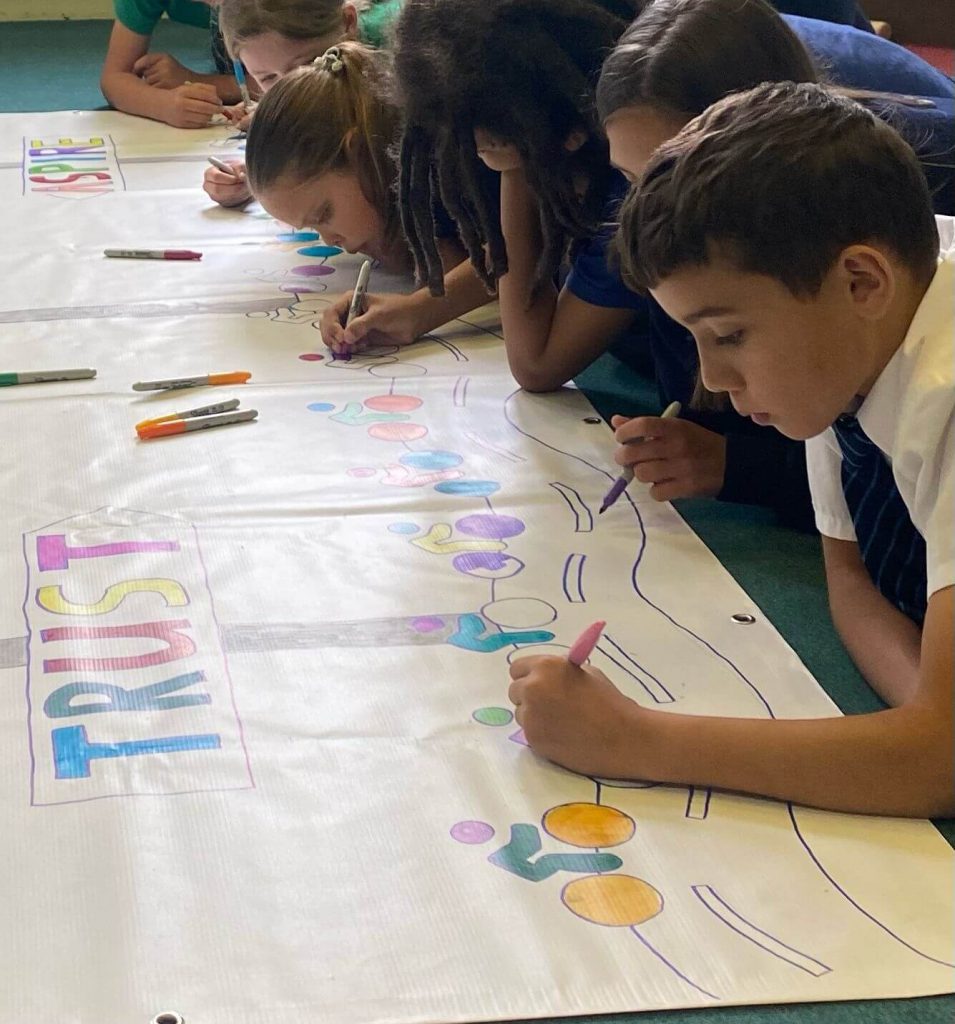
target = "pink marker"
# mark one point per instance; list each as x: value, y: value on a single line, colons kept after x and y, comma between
x: 585, y: 644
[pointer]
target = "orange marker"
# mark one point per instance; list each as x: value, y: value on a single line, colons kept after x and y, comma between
x: 237, y: 377
x: 189, y: 414
x: 185, y: 426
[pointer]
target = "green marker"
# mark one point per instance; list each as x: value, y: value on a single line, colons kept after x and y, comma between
x: 44, y: 377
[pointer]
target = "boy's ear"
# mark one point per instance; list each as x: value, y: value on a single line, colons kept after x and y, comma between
x: 350, y: 20
x: 870, y: 279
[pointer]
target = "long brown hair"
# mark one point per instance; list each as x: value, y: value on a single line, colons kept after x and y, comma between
x: 241, y: 20
x: 331, y: 115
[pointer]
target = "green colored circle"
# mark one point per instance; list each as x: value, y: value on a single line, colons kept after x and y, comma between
x: 493, y: 716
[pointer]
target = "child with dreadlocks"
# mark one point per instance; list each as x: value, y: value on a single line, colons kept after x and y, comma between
x: 273, y: 37
x: 319, y: 155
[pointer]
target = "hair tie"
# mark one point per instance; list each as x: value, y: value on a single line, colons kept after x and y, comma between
x: 331, y: 60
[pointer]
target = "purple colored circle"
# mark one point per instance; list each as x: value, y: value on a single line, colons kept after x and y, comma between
x: 313, y: 270
x: 473, y: 833
x: 298, y: 236
x: 487, y: 564
x: 319, y: 250
x: 427, y: 623
x: 311, y: 357
x: 320, y: 406
x: 493, y: 526
x: 480, y: 488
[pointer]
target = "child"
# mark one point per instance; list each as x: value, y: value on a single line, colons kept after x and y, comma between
x: 675, y: 60
x: 512, y: 84
x: 273, y: 37
x: 156, y: 85
x: 791, y: 231
x: 319, y: 156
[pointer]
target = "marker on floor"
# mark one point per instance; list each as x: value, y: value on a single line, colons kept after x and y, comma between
x: 584, y: 644
x: 626, y: 477
x: 152, y: 254
x: 187, y: 426
x: 43, y: 376
x: 188, y: 414
x: 211, y: 379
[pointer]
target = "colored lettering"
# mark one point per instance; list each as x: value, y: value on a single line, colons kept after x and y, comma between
x: 34, y: 169
x: 52, y: 599
x: 72, y: 751
x: 154, y: 697
x: 66, y: 151
x: 69, y: 179
x: 52, y: 551
x: 178, y: 645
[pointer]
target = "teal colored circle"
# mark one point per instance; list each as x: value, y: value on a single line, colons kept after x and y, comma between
x: 298, y: 236
x: 404, y: 528
x: 319, y: 250
x: 431, y: 460
x: 481, y: 488
x: 321, y: 406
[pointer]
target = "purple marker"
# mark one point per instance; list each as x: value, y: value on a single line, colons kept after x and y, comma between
x: 623, y: 481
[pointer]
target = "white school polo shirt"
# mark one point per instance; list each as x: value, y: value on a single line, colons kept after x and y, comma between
x: 910, y: 415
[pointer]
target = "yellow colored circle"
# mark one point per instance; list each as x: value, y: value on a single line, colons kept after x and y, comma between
x: 588, y: 825
x: 619, y: 901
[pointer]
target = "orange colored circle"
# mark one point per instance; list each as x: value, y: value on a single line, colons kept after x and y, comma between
x: 618, y: 901
x: 397, y: 431
x: 588, y: 825
x: 392, y: 403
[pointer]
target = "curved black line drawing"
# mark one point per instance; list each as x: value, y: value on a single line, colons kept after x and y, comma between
x: 584, y: 518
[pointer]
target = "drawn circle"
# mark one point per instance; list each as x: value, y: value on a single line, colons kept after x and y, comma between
x: 403, y: 528
x: 313, y: 270
x: 303, y: 288
x: 320, y: 406
x: 298, y: 236
x: 743, y: 618
x: 319, y: 250
x: 398, y: 370
x: 397, y: 431
x: 483, y: 524
x: 362, y: 471
x: 168, y: 1017
x: 478, y: 488
x: 312, y: 357
x: 519, y: 612
x: 431, y: 460
x: 487, y: 565
x: 493, y: 716
x: 586, y: 824
x: 392, y: 403
x: 427, y: 623
x: 473, y: 833
x: 618, y: 901
x: 587, y: 419
x: 539, y: 650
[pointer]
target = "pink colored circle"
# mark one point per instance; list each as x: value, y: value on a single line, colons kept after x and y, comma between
x: 427, y: 623
x: 397, y: 431
x: 473, y: 833
x: 311, y: 357
x: 362, y: 471
x: 393, y: 403
x: 313, y: 270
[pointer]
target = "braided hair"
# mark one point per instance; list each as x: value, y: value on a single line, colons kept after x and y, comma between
x: 524, y: 71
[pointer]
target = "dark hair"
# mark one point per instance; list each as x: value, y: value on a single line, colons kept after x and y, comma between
x: 332, y: 115
x: 782, y: 178
x: 524, y: 71
x: 685, y: 55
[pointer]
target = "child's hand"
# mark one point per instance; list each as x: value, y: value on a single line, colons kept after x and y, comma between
x: 577, y: 717
x: 193, y: 105
x: 223, y: 188
x: 678, y: 458
x: 500, y: 157
x: 161, y: 70
x: 386, y: 320
x: 240, y: 115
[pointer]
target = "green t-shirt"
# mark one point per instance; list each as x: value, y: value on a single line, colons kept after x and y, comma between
x: 140, y: 16
x: 376, y: 22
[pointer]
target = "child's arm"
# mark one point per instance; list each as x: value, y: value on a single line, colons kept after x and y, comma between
x: 882, y: 641
x: 187, y: 106
x: 400, y: 319
x: 163, y: 71
x: 555, y: 337
x: 896, y: 762
x: 229, y: 190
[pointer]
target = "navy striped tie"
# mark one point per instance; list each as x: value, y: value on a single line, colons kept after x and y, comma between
x: 892, y: 549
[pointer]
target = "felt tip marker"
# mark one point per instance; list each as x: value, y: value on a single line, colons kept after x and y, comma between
x: 44, y: 376
x: 626, y: 477
x: 584, y: 644
x: 152, y: 254
x: 240, y: 78
x: 221, y: 165
x: 212, y: 379
x: 186, y: 426
x: 361, y: 289
x: 205, y: 410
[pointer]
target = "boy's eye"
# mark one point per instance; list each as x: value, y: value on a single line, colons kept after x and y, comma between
x: 267, y: 78
x: 730, y: 339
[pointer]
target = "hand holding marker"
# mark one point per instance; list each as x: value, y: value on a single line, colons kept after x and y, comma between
x: 626, y: 477
x: 361, y: 289
x: 584, y: 644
